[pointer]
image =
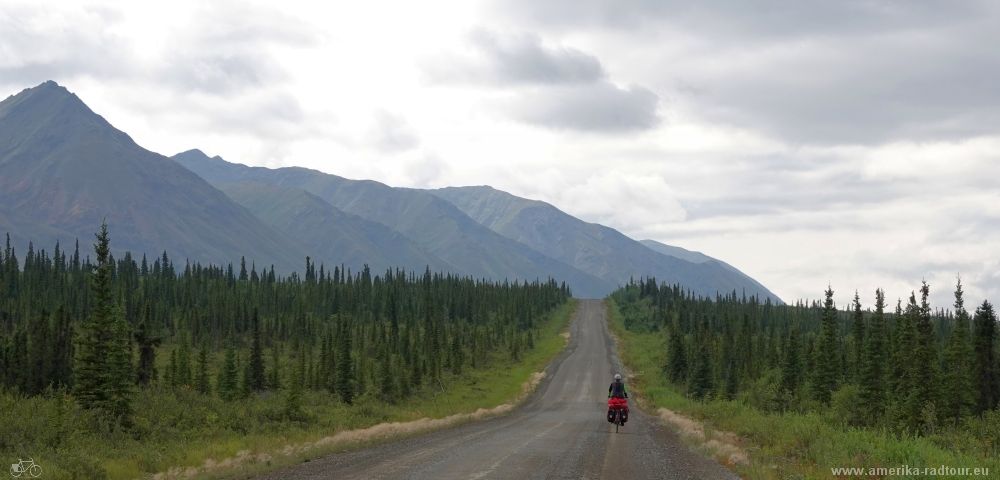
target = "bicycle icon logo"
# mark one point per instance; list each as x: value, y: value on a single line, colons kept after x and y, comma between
x: 21, y: 467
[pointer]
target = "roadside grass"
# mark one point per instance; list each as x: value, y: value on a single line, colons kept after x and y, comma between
x: 793, y: 445
x: 181, y: 430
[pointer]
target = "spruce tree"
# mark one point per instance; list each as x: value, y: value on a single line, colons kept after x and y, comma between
x: 386, y: 379
x: 923, y: 402
x: 293, y: 394
x: 677, y: 365
x: 62, y: 350
x: 104, y: 350
x: 331, y: 363
x: 146, y: 371
x: 275, y: 380
x: 857, y: 339
x: 958, y: 399
x: 37, y: 355
x: 229, y: 376
x: 700, y: 382
x: 791, y: 366
x: 345, y: 364
x: 827, y: 355
x: 201, y: 383
x: 731, y: 381
x: 872, y: 387
x: 902, y: 352
x: 182, y: 375
x: 458, y: 356
x: 985, y: 369
x: 255, y: 376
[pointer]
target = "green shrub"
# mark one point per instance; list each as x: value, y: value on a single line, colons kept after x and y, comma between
x: 765, y: 393
x: 845, y: 406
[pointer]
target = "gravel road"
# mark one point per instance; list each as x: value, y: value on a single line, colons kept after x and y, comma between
x: 559, y: 432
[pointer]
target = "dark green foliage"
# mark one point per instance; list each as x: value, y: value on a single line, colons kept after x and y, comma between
x: 826, y: 374
x: 274, y: 382
x: 700, y: 382
x: 346, y: 333
x: 229, y: 388
x: 873, y: 361
x: 104, y: 367
x: 386, y: 379
x: 857, y: 340
x: 183, y: 376
x: 293, y: 395
x: 922, y: 374
x: 791, y: 366
x: 903, y: 344
x: 345, y: 365
x: 788, y: 357
x: 202, y: 383
x: 958, y: 398
x: 677, y: 364
x: 985, y: 368
x: 147, y: 343
x: 731, y: 382
x: 255, y: 379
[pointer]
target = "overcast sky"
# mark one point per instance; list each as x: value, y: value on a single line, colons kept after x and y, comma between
x: 855, y: 143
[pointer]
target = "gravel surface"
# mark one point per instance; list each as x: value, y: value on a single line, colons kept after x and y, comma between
x: 559, y: 432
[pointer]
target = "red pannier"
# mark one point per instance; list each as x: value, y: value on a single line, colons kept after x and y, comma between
x: 617, y: 404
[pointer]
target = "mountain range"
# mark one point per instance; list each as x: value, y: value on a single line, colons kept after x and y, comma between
x: 64, y: 168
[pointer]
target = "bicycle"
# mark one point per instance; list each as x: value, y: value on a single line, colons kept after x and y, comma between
x: 618, y: 412
x: 22, y: 467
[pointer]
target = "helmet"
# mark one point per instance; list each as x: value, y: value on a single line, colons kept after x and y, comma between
x: 618, y: 376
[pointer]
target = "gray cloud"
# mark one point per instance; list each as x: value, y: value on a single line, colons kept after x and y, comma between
x: 555, y: 87
x: 738, y: 20
x: 858, y: 90
x: 426, y: 171
x: 596, y: 107
x: 220, y: 50
x: 222, y: 73
x: 391, y: 133
x: 32, y: 51
x: 229, y: 47
x: 811, y: 72
x: 515, y: 59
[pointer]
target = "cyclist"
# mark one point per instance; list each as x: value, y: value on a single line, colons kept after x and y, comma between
x: 617, y: 396
x: 617, y: 388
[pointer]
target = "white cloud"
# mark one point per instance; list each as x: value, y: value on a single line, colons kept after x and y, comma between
x: 632, y: 202
x: 512, y: 60
x: 391, y: 133
x: 963, y: 160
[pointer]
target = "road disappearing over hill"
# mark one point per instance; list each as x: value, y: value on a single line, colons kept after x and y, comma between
x: 559, y: 432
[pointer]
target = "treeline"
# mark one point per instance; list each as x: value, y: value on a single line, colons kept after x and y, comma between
x: 95, y: 328
x: 910, y: 368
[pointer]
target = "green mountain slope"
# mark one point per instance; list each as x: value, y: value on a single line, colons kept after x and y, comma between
x: 328, y: 234
x: 64, y: 168
x: 677, y: 252
x: 432, y: 223
x: 698, y: 257
x: 601, y: 251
